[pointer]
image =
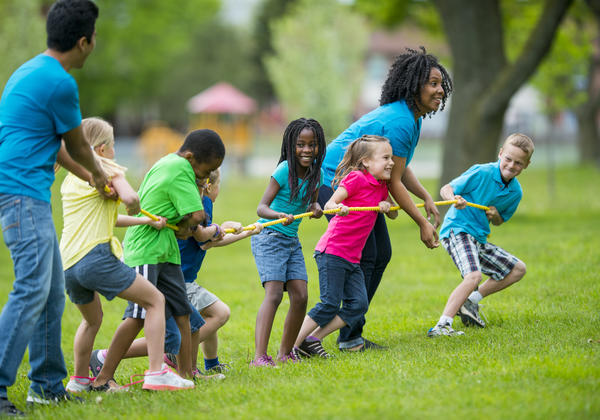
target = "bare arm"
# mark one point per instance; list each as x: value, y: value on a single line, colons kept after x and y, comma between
x: 79, y: 149
x: 315, y: 207
x: 412, y: 184
x: 398, y: 191
x: 335, y: 201
x: 66, y: 161
x: 127, y: 194
x: 392, y: 214
x: 191, y: 219
x: 232, y: 237
x: 447, y: 193
x: 126, y: 221
x: 493, y: 216
x: 263, y: 210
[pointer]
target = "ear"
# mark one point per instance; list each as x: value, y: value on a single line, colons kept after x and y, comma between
x: 500, y: 153
x: 82, y: 43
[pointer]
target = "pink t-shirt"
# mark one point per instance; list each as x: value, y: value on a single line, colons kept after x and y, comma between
x: 346, y: 235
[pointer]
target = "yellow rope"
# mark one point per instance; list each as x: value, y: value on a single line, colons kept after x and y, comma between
x: 332, y: 211
x: 156, y: 219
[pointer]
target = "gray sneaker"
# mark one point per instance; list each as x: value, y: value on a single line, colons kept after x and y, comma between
x: 95, y: 363
x: 440, y: 330
x: 469, y: 314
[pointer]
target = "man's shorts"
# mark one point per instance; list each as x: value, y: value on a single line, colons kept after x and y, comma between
x: 98, y: 271
x: 278, y: 257
x: 168, y: 278
x: 199, y: 297
x: 469, y: 255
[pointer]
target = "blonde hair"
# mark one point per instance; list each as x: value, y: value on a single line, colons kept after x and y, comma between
x: 97, y: 132
x: 360, y: 149
x: 521, y: 141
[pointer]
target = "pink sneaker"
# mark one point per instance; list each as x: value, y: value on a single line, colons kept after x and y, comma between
x: 264, y: 360
x: 292, y: 357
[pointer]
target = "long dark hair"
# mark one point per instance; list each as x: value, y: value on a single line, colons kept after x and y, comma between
x: 408, y: 74
x: 312, y: 177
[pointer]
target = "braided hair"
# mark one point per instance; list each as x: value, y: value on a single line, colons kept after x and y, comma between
x: 408, y: 74
x: 312, y: 177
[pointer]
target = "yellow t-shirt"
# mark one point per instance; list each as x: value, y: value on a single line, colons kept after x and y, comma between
x: 89, y: 219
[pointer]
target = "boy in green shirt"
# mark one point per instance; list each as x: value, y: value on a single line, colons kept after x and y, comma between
x: 169, y: 190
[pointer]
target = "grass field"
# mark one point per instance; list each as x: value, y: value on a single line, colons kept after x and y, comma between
x: 532, y: 361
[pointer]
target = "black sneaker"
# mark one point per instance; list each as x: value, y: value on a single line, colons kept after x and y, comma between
x: 95, y: 364
x: 8, y: 409
x: 313, y: 348
x: 220, y: 368
x: 34, y: 399
x: 469, y: 314
x: 367, y: 345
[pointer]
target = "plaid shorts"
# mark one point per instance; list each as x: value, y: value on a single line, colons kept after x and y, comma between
x: 469, y: 255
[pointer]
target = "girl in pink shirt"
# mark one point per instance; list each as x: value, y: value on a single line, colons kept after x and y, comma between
x: 364, y: 173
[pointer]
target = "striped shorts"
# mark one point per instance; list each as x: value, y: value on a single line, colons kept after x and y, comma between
x: 469, y: 255
x: 168, y: 279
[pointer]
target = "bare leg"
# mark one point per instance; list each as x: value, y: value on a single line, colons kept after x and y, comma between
x: 309, y: 326
x: 335, y: 324
x: 195, y: 343
x: 298, y: 295
x: 139, y: 348
x: 492, y: 286
x: 215, y: 316
x: 461, y: 293
x: 184, y: 358
x: 266, y: 315
x: 83, y: 343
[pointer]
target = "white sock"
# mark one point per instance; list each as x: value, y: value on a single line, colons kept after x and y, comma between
x: 475, y: 297
x: 102, y: 355
x: 445, y: 320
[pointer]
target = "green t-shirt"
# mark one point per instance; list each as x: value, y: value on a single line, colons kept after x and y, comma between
x: 169, y: 190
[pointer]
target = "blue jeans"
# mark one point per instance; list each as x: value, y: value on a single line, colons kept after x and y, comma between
x: 172, y: 335
x: 340, y: 282
x: 376, y: 255
x: 33, y: 313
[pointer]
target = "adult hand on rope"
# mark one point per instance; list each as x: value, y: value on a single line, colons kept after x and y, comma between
x: 316, y: 210
x: 432, y: 210
x: 429, y: 235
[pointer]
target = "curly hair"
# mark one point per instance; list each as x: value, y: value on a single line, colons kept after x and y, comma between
x: 312, y: 177
x: 408, y: 74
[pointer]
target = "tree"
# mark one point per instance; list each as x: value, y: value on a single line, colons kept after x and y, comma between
x: 484, y: 78
x: 137, y: 41
x: 22, y: 34
x: 316, y: 69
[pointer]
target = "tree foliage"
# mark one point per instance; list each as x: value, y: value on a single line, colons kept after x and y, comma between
x: 137, y: 42
x: 317, y: 63
x: 22, y: 34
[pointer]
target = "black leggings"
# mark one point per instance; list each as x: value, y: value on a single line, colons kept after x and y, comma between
x: 375, y: 257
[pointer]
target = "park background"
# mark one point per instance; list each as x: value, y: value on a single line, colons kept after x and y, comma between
x: 252, y: 66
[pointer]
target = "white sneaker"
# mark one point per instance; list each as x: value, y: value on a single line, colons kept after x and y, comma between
x: 79, y: 384
x: 165, y: 380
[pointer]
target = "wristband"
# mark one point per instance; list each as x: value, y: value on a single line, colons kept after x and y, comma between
x: 217, y: 230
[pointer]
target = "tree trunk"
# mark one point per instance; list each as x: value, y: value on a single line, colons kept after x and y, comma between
x: 484, y: 81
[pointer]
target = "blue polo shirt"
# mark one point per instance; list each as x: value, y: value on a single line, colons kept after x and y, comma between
x: 394, y: 121
x: 192, y: 255
x: 481, y: 184
x: 281, y: 203
x: 39, y: 103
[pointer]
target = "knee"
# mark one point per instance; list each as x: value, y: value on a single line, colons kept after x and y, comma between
x: 223, y: 314
x: 273, y: 297
x: 519, y: 270
x: 95, y: 323
x: 362, y: 306
x: 473, y: 279
x: 299, y: 298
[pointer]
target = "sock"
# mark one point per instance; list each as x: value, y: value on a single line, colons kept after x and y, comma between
x: 102, y: 355
x: 311, y: 338
x: 211, y: 363
x: 475, y: 297
x: 445, y: 320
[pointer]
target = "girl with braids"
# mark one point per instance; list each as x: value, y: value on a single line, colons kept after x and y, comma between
x: 362, y: 180
x: 417, y: 86
x: 293, y: 188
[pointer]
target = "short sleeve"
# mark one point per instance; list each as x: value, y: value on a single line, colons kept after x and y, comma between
x: 281, y: 173
x: 64, y: 106
x: 184, y: 194
x: 352, y: 182
x: 510, y: 209
x: 466, y: 182
x: 400, y: 135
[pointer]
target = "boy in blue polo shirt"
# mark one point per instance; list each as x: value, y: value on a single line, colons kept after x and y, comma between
x: 465, y: 230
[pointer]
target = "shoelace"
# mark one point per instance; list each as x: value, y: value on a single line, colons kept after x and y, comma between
x: 318, y: 348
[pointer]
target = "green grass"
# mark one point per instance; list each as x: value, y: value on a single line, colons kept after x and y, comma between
x: 532, y: 361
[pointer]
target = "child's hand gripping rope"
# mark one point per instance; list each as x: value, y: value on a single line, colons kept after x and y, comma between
x: 339, y: 210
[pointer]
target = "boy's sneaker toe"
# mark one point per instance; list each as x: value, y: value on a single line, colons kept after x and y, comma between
x: 469, y: 314
x: 220, y: 368
x: 34, y: 399
x: 313, y: 348
x: 441, y: 330
x: 8, y: 409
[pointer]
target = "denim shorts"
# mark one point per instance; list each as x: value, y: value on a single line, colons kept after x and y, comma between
x: 278, y: 257
x: 470, y: 255
x: 99, y: 271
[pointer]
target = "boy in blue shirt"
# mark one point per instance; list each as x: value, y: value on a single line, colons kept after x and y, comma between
x: 465, y: 230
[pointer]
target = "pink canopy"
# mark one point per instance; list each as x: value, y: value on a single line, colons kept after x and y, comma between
x: 221, y: 98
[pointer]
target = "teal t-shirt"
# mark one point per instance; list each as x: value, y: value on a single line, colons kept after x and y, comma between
x: 39, y: 103
x: 481, y: 184
x: 169, y: 190
x: 281, y: 202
